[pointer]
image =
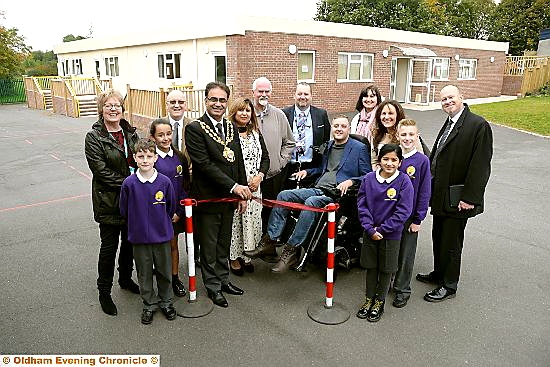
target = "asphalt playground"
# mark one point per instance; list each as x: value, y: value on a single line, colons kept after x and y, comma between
x: 49, y: 245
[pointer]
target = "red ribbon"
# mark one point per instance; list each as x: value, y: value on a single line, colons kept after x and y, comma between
x: 270, y: 203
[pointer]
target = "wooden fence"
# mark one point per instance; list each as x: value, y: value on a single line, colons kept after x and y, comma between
x: 533, y: 70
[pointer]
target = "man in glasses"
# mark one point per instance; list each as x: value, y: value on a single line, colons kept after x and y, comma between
x: 176, y: 105
x: 279, y: 141
x: 218, y: 172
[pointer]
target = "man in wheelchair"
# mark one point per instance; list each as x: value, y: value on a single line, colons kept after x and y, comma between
x: 345, y: 162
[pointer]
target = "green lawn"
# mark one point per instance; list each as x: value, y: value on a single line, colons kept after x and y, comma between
x: 529, y: 114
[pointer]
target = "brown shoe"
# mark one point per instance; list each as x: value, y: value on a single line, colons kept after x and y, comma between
x: 289, y: 258
x: 266, y: 247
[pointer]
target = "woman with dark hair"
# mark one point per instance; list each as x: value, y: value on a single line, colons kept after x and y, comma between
x: 362, y: 123
x: 247, y: 227
x: 388, y: 114
x: 108, y: 148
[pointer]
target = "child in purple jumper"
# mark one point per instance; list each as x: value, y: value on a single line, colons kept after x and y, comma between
x: 385, y: 202
x: 148, y: 202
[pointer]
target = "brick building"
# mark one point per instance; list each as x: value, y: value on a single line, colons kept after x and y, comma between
x: 337, y: 59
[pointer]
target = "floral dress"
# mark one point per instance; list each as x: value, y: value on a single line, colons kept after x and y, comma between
x: 247, y: 227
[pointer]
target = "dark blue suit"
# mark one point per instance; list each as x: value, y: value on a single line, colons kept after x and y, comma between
x: 354, y: 165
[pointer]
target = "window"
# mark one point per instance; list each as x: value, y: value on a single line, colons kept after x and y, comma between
x: 467, y: 68
x: 169, y: 66
x: 354, y: 66
x: 111, y: 66
x: 77, y: 67
x: 71, y: 66
x: 306, y: 66
x: 440, y: 69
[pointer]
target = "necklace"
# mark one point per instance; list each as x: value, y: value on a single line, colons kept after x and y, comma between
x: 227, y: 152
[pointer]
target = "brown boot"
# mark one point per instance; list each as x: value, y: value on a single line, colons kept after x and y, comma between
x: 266, y: 247
x: 289, y: 258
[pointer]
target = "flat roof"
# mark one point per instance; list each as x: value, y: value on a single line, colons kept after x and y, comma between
x: 196, y: 29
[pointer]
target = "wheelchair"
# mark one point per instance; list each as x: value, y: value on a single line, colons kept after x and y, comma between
x: 348, y: 236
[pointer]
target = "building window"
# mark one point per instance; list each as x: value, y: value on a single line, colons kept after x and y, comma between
x: 440, y: 70
x: 354, y: 67
x: 77, y: 67
x: 306, y: 66
x: 467, y: 68
x: 111, y: 66
x: 71, y: 66
x: 169, y: 66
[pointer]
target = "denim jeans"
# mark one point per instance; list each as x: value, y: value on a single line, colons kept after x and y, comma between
x: 277, y: 219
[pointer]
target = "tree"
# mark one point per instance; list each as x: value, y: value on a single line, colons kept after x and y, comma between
x: 40, y: 63
x: 13, y: 51
x: 70, y: 38
x: 520, y: 22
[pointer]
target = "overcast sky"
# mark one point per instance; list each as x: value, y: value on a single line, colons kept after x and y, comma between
x: 44, y: 23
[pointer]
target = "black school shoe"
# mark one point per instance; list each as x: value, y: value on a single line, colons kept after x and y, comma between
x: 400, y: 301
x: 376, y: 311
x: 147, y: 317
x: 169, y: 312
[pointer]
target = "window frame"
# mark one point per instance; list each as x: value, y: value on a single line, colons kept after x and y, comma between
x: 112, y: 61
x: 312, y: 79
x: 440, y: 61
x: 362, y: 55
x: 174, y: 60
x: 467, y: 64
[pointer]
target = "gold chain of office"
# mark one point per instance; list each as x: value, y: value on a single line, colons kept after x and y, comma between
x: 227, y: 152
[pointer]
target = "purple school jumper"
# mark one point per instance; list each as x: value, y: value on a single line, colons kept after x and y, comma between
x: 148, y: 208
x: 386, y: 206
x: 172, y: 168
x: 417, y: 167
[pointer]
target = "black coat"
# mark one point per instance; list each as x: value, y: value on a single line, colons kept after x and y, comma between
x: 109, y: 166
x: 213, y: 175
x: 320, y: 125
x: 465, y: 158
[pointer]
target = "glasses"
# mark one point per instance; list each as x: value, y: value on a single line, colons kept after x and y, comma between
x: 111, y: 106
x: 178, y: 102
x: 216, y: 99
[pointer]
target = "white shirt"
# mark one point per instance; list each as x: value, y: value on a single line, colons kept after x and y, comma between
x: 180, y: 129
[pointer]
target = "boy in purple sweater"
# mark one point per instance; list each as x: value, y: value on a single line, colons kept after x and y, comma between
x: 148, y: 202
x: 417, y: 166
x: 385, y: 202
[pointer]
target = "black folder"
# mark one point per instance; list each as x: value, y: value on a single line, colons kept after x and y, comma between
x: 455, y: 193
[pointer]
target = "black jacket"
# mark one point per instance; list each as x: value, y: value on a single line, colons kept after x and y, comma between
x: 107, y: 161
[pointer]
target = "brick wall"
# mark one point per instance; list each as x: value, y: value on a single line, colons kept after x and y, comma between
x: 511, y: 84
x: 266, y: 54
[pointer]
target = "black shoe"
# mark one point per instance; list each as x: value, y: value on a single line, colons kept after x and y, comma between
x: 364, y: 310
x: 169, y: 312
x: 439, y: 294
x: 218, y: 298
x: 147, y: 317
x: 427, y: 278
x: 178, y: 287
x: 376, y: 311
x: 248, y: 267
x: 130, y: 285
x: 107, y: 304
x: 232, y: 289
x: 400, y: 301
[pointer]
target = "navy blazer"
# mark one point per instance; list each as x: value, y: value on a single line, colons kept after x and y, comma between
x: 320, y: 125
x: 355, y: 163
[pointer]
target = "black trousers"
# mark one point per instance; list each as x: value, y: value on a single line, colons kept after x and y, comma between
x: 110, y: 236
x: 214, y: 233
x: 271, y: 187
x: 448, y: 240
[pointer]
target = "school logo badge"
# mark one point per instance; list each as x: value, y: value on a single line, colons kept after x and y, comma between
x: 159, y: 195
x: 411, y: 171
x: 391, y: 193
x: 179, y: 169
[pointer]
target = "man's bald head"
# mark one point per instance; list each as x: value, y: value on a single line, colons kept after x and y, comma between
x: 452, y: 100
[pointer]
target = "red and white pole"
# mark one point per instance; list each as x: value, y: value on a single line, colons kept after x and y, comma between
x: 188, y: 203
x: 331, y: 230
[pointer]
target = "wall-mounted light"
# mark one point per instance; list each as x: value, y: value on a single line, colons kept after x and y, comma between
x: 457, y: 57
x: 385, y: 53
x: 292, y: 49
x: 492, y: 59
x: 205, y: 49
x: 145, y: 53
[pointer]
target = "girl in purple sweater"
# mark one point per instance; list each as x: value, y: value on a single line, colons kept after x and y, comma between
x: 385, y: 202
x: 173, y: 164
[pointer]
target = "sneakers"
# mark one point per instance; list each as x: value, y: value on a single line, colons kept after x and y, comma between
x: 266, y: 247
x: 289, y: 258
x: 376, y: 311
x: 364, y: 310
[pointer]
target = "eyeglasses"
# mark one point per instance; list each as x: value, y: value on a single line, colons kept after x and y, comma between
x: 178, y: 102
x: 216, y: 99
x: 111, y: 106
